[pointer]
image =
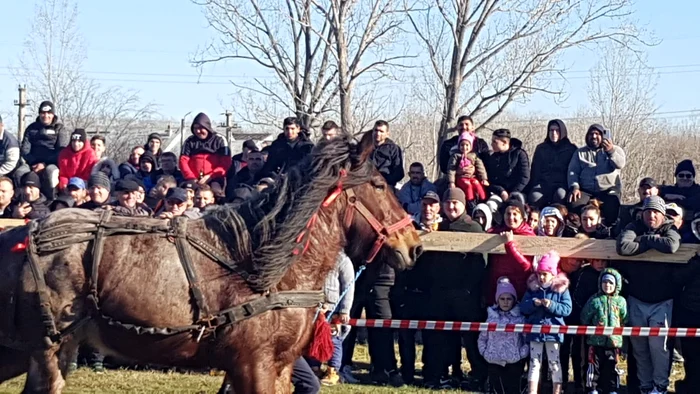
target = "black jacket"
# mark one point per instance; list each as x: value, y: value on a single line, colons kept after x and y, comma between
x: 481, y: 148
x: 550, y: 163
x: 126, y: 168
x: 509, y: 171
x: 626, y: 215
x: 40, y: 208
x: 583, y: 284
x: 283, y: 154
x: 388, y: 159
x: 42, y: 144
x: 242, y: 177
x: 649, y: 282
x: 688, y: 278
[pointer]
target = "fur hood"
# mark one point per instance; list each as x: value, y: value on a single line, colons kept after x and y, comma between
x: 560, y: 283
x: 493, y: 312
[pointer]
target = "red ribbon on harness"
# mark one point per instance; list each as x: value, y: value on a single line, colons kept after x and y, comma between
x: 336, y: 192
x: 20, y: 247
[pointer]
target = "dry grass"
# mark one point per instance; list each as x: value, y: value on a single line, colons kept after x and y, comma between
x: 127, y: 381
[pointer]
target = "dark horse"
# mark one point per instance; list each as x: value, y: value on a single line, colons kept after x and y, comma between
x: 123, y: 284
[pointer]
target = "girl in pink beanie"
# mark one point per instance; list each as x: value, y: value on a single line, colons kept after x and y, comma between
x: 466, y: 170
x: 547, y: 302
x: 505, y: 352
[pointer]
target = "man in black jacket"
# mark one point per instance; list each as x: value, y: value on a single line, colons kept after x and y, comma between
x: 32, y: 204
x: 481, y: 147
x: 387, y: 156
x: 651, y: 290
x: 508, y: 166
x: 550, y: 166
x: 288, y: 149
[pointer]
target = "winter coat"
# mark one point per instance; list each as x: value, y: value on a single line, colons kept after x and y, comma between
x: 388, y: 158
x: 283, y: 154
x: 508, y: 171
x: 595, y: 170
x: 126, y: 168
x: 606, y: 310
x: 40, y: 208
x: 42, y: 144
x: 513, y: 265
x: 550, y: 162
x: 340, y: 280
x: 688, y: 279
x: 691, y: 194
x: 480, y: 147
x: 411, y: 196
x: 107, y: 162
x: 209, y: 156
x: 583, y: 284
x: 9, y: 153
x: 503, y: 348
x: 649, y: 282
x: 554, y: 315
x: 455, y: 170
x: 75, y: 164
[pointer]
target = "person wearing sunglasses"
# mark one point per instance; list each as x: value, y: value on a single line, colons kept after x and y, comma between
x: 685, y: 192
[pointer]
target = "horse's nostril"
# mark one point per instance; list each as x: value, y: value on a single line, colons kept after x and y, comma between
x: 416, y: 251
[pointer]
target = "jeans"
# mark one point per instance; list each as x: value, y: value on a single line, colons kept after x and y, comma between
x: 544, y: 195
x: 303, y: 378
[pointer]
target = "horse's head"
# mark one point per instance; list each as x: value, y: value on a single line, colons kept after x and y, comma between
x: 377, y: 228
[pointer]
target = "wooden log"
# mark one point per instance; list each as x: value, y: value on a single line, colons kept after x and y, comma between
x: 537, y: 246
x: 9, y: 223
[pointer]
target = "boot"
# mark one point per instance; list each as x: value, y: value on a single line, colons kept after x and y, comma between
x: 332, y: 378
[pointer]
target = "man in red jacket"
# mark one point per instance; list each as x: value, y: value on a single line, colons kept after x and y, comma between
x: 205, y: 155
x: 75, y: 160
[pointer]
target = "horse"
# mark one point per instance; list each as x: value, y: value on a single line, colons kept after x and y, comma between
x: 236, y: 290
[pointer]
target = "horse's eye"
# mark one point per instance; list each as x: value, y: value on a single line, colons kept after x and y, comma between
x: 379, y: 187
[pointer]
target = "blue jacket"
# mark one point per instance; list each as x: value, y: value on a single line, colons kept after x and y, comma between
x: 560, y: 308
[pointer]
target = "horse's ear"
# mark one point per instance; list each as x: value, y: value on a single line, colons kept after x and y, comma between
x: 366, y: 145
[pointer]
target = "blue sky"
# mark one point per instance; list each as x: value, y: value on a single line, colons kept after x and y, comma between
x: 135, y: 45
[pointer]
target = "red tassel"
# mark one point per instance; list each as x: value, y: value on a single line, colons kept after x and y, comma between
x: 20, y: 247
x: 321, y: 347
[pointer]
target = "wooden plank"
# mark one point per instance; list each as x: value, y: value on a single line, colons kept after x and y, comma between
x: 537, y: 246
x: 8, y: 223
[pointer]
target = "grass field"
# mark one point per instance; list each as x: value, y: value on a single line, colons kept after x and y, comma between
x: 127, y: 381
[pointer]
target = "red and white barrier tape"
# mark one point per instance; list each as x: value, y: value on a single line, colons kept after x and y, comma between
x: 526, y: 328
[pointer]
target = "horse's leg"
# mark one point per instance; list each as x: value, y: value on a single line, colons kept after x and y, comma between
x: 283, y: 384
x: 12, y: 363
x: 252, y: 379
x: 67, y: 354
x: 44, y: 375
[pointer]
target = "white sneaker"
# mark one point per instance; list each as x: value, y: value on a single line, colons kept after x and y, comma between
x: 346, y: 375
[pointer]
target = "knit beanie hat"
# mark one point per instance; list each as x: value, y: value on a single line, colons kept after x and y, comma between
x: 656, y: 203
x: 46, y: 106
x: 514, y: 202
x: 100, y: 179
x: 153, y: 136
x: 685, y: 165
x: 468, y: 136
x: 78, y: 134
x: 549, y: 263
x: 503, y: 286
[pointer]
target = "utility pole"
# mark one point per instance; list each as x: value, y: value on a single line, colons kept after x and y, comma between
x: 230, y: 126
x: 21, y: 111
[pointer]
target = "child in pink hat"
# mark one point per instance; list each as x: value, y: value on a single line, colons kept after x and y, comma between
x: 547, y: 302
x: 505, y: 352
x: 466, y: 170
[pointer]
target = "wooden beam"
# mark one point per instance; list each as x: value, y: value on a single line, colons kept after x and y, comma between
x: 8, y: 223
x: 537, y: 246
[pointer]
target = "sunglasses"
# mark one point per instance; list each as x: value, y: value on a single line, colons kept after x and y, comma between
x: 685, y: 175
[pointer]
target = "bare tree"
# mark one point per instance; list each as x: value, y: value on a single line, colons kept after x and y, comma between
x: 621, y: 94
x: 486, y: 54
x: 51, y: 65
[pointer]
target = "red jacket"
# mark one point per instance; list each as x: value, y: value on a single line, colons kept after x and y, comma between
x: 208, y: 157
x: 75, y: 164
x: 513, y: 265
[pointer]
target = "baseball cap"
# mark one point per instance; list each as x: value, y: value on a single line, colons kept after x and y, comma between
x: 177, y: 194
x: 192, y: 185
x: 31, y: 179
x: 648, y: 183
x: 77, y: 183
x: 125, y: 185
x: 673, y: 207
x: 431, y: 195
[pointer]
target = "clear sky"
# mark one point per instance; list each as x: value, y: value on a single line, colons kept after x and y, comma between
x: 146, y: 45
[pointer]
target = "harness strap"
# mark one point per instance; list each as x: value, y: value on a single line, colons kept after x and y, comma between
x: 47, y: 320
x: 214, y: 255
x: 97, y: 249
x: 236, y: 314
x: 180, y: 233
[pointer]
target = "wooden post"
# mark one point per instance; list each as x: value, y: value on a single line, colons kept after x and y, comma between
x: 21, y: 111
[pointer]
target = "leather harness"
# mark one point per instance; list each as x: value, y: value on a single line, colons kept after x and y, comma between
x: 60, y: 235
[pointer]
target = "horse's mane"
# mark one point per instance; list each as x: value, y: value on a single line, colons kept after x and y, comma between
x: 264, y: 230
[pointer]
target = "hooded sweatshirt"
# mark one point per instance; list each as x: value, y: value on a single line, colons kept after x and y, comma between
x: 503, y: 348
x: 609, y: 310
x: 283, y: 154
x: 558, y: 294
x: 42, y: 144
x: 509, y: 171
x: 107, y: 162
x: 513, y: 265
x: 550, y: 162
x: 411, y: 196
x: 487, y: 213
x: 75, y: 164
x: 388, y: 159
x: 551, y: 212
x: 209, y: 156
x: 594, y: 170
x: 154, y: 136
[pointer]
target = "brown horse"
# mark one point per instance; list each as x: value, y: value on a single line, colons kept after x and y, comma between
x: 123, y: 284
